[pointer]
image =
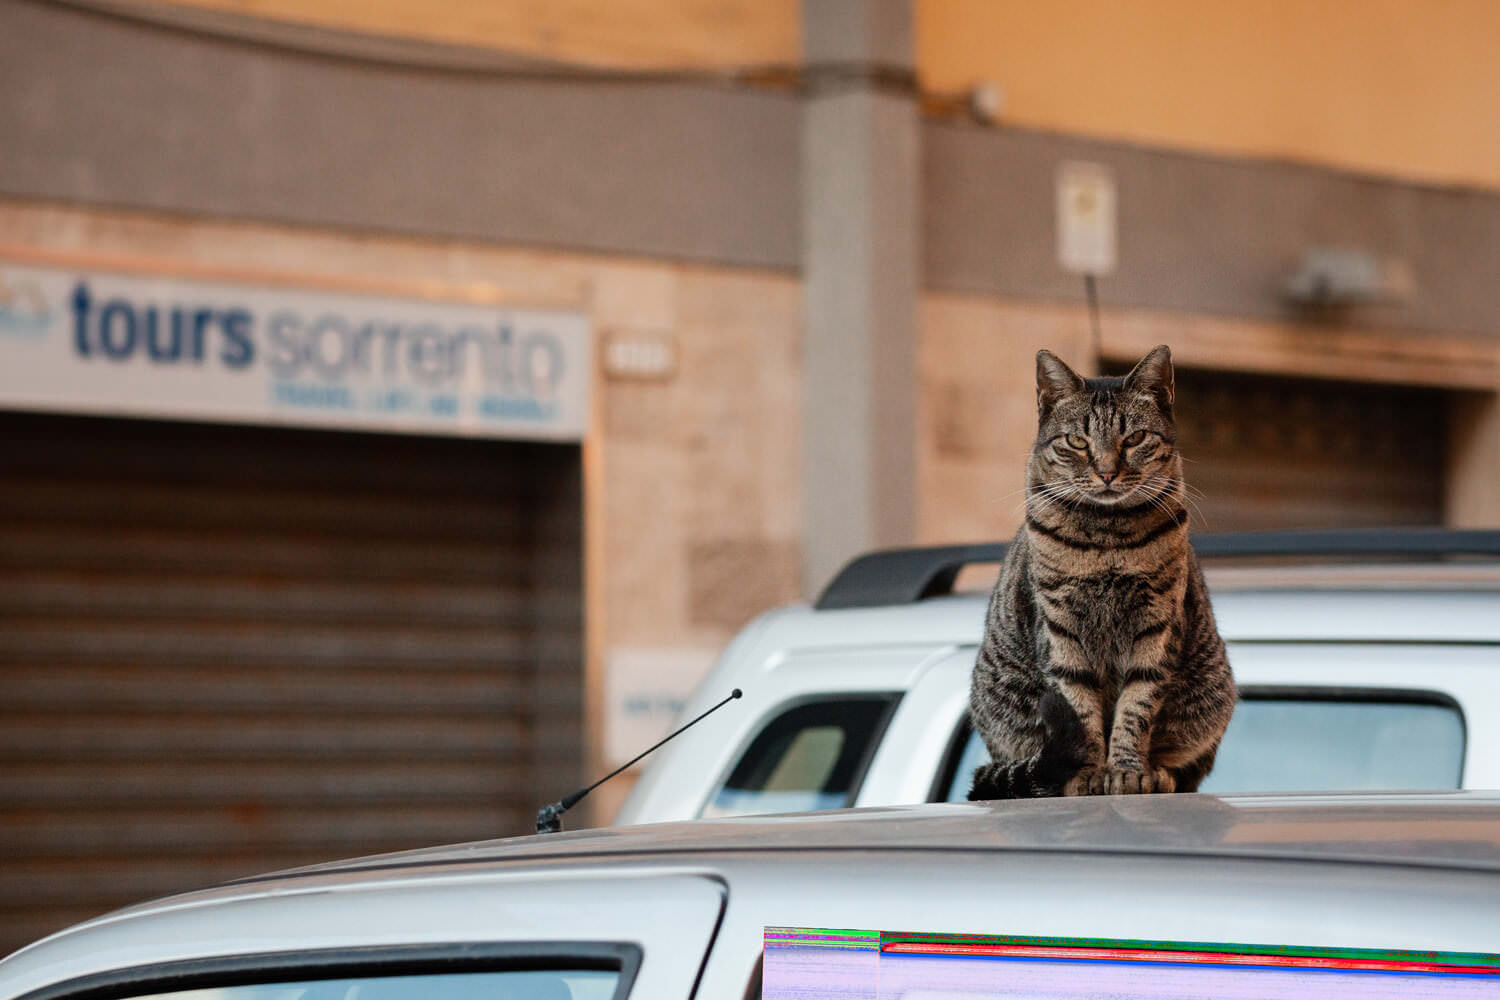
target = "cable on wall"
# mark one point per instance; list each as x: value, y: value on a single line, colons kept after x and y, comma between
x: 411, y: 55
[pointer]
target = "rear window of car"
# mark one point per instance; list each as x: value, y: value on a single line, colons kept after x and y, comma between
x: 518, y: 984
x: 1308, y: 739
x: 806, y: 757
x: 532, y: 970
x: 1336, y: 741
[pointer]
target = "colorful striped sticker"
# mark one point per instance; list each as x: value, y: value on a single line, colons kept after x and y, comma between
x: 958, y: 965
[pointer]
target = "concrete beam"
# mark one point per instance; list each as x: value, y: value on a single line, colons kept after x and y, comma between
x: 861, y: 256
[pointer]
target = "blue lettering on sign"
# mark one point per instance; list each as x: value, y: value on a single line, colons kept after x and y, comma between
x: 117, y: 329
x: 393, y: 401
x: 312, y: 395
x: 327, y: 360
x: 238, y: 350
x: 515, y: 408
x: 120, y: 330
x: 334, y: 348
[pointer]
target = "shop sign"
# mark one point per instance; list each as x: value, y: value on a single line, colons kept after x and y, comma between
x: 645, y: 692
x: 90, y: 342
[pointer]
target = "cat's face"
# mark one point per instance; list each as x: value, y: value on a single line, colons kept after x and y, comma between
x: 1104, y: 442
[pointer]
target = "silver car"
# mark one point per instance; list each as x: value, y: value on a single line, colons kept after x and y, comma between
x: 1132, y: 897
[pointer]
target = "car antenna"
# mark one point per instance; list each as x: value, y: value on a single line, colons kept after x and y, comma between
x: 549, y: 818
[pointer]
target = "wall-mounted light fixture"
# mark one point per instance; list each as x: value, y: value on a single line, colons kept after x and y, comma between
x: 1332, y: 277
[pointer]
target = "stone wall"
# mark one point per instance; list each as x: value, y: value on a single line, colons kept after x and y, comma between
x: 976, y: 415
x: 693, y: 481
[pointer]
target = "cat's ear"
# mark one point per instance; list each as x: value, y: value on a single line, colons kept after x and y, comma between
x: 1054, y: 380
x: 1154, y: 375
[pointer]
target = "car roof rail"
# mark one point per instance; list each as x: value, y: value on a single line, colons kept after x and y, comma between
x: 907, y: 575
x: 903, y: 576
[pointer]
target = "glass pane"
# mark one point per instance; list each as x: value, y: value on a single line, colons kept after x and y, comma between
x: 1287, y: 745
x: 579, y: 984
x: 808, y: 761
x: 974, y: 754
x: 1284, y: 745
x: 809, y: 757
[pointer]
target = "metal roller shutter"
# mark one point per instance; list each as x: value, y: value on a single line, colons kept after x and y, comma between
x: 225, y: 650
x: 1300, y: 453
x: 1265, y: 452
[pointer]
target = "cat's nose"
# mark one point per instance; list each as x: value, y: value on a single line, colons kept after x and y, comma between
x: 1108, y: 477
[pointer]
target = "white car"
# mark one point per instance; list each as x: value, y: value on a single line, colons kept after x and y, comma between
x: 1147, y: 897
x: 1370, y: 662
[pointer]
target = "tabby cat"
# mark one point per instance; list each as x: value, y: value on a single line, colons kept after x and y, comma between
x: 1101, y: 670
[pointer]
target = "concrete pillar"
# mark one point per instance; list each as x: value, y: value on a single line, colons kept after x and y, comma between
x: 1472, y: 496
x: 861, y: 229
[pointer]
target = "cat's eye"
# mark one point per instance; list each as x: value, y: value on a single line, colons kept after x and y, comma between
x: 1134, y: 438
x: 1077, y: 443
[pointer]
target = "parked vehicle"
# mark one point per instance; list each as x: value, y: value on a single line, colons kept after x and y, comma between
x: 1158, y: 896
x: 1369, y: 661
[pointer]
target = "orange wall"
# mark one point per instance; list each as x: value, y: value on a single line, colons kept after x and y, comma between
x: 614, y: 32
x: 1402, y: 87
x: 1409, y: 88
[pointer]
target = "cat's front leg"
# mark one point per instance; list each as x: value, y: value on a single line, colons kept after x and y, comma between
x: 1085, y: 694
x: 1070, y: 668
x: 1129, y: 770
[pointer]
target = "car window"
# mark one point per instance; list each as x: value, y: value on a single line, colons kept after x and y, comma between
x: 1307, y: 740
x: 810, y: 756
x: 1287, y: 744
x: 517, y: 984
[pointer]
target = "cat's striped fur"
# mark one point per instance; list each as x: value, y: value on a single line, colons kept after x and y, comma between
x: 1101, y: 670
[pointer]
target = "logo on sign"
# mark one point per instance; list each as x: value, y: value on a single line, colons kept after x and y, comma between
x: 23, y: 308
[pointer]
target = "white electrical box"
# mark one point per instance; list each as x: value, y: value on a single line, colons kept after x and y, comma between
x: 1086, y: 218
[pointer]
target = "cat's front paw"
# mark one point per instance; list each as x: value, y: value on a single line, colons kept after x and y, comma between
x: 1128, y: 781
x: 1088, y: 781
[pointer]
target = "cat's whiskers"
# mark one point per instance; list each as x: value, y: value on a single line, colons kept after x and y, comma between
x: 1041, y: 498
x: 1190, y: 493
x: 1184, y: 493
x: 1048, y: 495
x: 1182, y: 481
x: 1159, y: 502
x: 1029, y: 488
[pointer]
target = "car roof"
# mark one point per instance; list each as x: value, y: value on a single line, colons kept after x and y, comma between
x: 1449, y: 829
x: 1413, y: 839
x: 1249, y: 609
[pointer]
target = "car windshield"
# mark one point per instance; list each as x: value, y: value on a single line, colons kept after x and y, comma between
x: 1312, y: 741
x: 812, y: 756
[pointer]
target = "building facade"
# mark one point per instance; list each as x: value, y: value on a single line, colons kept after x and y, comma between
x: 248, y: 635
